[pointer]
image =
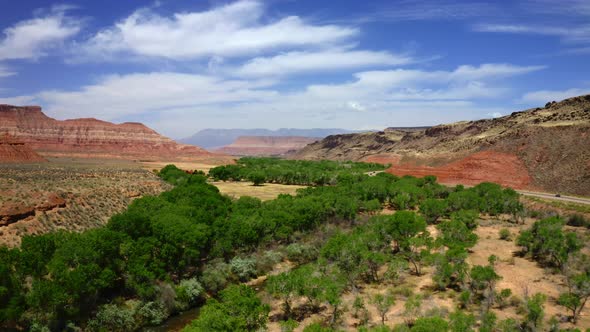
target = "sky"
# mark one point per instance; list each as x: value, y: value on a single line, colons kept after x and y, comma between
x: 180, y: 66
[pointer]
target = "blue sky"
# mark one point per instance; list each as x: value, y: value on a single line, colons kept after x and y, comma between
x: 180, y: 66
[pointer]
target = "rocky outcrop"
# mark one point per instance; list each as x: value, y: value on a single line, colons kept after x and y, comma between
x: 15, y: 151
x: 546, y: 148
x: 266, y: 145
x: 90, y: 137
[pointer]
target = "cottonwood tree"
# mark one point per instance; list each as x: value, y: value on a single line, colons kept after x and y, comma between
x: 383, y: 303
x: 577, y: 272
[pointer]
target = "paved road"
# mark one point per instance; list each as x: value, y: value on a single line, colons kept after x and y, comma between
x: 572, y: 199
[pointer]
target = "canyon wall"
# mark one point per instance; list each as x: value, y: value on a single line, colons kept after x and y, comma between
x: 90, y: 138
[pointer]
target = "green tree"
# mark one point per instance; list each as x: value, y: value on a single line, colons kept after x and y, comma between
x: 430, y: 324
x: 534, y: 311
x: 257, y: 178
x: 432, y: 209
x: 284, y: 286
x: 547, y: 242
x: 461, y: 322
x: 577, y: 295
x: 239, y: 309
x: 383, y: 303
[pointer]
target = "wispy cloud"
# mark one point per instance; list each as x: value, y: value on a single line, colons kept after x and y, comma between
x: 571, y: 8
x: 31, y: 39
x: 322, y: 60
x: 576, y: 34
x: 543, y: 96
x: 411, y: 10
x: 236, y: 29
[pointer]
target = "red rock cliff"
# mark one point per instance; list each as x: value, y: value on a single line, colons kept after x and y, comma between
x: 90, y: 137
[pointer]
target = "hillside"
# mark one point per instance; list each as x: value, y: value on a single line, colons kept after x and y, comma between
x: 14, y: 151
x: 546, y: 148
x: 91, y: 138
x: 265, y: 145
x: 216, y: 138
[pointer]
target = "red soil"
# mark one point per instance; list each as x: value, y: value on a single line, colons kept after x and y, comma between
x: 486, y: 166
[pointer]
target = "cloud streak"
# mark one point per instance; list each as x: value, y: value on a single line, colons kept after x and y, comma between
x: 323, y: 60
x: 577, y: 34
x: 30, y: 39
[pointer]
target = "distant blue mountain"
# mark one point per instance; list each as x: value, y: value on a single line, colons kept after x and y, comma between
x: 214, y: 138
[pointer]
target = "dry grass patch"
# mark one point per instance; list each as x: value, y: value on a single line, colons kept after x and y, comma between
x: 265, y: 192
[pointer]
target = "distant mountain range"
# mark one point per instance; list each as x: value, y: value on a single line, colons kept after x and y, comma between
x: 216, y: 138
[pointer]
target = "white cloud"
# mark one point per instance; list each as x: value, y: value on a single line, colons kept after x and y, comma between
x: 235, y: 29
x: 544, y: 96
x: 183, y: 103
x: 31, y: 38
x: 323, y: 60
x: 574, y: 34
x: 356, y: 106
x: 409, y: 10
x: 494, y: 114
x: 119, y: 96
x: 465, y: 82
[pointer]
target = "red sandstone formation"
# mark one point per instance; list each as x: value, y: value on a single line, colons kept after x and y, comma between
x: 487, y: 166
x: 14, y: 151
x: 266, y: 145
x: 90, y: 137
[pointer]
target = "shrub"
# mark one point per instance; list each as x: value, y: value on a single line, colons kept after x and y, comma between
x: 577, y: 220
x: 505, y: 234
x: 215, y: 276
x: 152, y: 313
x: 267, y: 261
x: 111, y: 317
x: 243, y: 268
x: 188, y: 292
x: 301, y: 253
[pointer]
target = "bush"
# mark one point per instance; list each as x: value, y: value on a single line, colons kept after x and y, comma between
x: 152, y: 313
x: 111, y: 317
x: 505, y: 234
x: 243, y: 268
x: 578, y: 220
x: 301, y: 253
x: 215, y: 276
x: 188, y: 292
x: 267, y: 261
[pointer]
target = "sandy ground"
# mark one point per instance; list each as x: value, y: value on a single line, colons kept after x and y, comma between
x: 521, y: 275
